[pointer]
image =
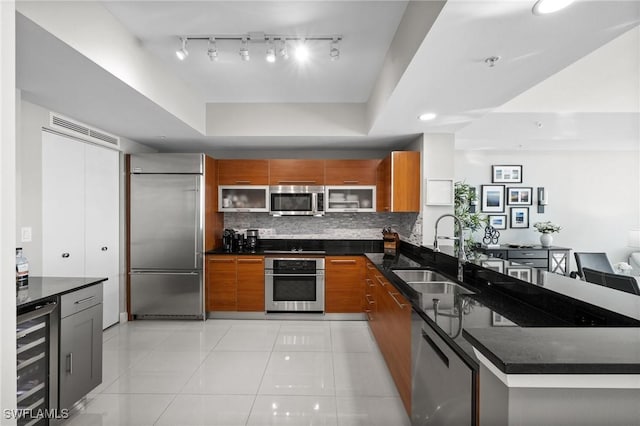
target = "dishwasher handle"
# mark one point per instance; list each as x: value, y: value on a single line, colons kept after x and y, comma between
x: 436, y: 349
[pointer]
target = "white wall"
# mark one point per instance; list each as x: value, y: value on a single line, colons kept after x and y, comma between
x: 593, y: 195
x: 7, y: 207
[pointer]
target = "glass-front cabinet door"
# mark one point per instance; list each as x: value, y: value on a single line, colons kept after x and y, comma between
x: 350, y: 198
x: 250, y: 198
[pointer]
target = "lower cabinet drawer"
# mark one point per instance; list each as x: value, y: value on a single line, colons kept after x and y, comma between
x: 79, y: 300
x: 535, y: 263
x: 528, y: 254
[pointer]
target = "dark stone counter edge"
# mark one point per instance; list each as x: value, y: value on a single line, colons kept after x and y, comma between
x: 56, y: 287
x: 557, y: 368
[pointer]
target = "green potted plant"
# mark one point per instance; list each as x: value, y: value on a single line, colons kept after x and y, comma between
x: 464, y: 195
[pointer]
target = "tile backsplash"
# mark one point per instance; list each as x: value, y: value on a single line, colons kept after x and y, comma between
x: 350, y: 226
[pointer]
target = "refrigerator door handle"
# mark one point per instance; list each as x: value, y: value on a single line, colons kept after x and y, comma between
x: 163, y: 272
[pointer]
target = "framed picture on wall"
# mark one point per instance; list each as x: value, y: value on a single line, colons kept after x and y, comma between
x: 492, y: 198
x: 519, y: 217
x: 519, y: 196
x: 498, y: 221
x: 506, y: 174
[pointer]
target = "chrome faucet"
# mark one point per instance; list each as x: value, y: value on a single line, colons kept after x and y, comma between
x: 462, y: 258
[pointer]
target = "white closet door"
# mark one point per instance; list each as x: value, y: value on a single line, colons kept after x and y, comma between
x: 102, y: 225
x: 62, y: 206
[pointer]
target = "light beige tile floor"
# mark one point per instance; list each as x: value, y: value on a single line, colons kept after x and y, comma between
x: 242, y: 372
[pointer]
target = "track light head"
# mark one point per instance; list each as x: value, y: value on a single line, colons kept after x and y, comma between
x: 302, y: 51
x: 244, y: 49
x: 182, y: 53
x: 271, y: 52
x: 212, y: 51
x: 334, y: 49
x: 284, y: 52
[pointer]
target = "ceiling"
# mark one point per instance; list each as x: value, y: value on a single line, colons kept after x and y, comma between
x: 385, y: 83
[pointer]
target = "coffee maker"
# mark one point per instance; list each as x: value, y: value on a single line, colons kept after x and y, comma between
x: 252, y: 240
x: 227, y: 240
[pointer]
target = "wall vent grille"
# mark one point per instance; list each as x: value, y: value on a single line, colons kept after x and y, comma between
x: 83, y: 131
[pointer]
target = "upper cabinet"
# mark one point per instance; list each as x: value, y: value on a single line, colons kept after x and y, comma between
x: 351, y: 172
x: 398, y: 182
x: 243, y: 172
x: 296, y: 172
x: 341, y: 198
x: 243, y: 198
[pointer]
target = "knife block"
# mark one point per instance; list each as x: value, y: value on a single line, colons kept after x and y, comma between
x: 391, y: 242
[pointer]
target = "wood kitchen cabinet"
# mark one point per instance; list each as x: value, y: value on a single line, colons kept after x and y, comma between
x: 250, y: 287
x: 350, y: 172
x: 222, y: 283
x: 398, y: 182
x: 343, y: 284
x: 235, y: 283
x: 296, y: 172
x: 243, y: 172
x: 369, y: 305
x: 391, y: 327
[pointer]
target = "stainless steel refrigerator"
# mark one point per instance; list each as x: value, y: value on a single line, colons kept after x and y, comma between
x: 166, y: 235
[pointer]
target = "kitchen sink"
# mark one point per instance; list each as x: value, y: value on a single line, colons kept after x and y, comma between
x: 421, y: 276
x: 434, y: 288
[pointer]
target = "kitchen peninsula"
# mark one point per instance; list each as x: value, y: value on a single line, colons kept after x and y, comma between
x: 549, y: 350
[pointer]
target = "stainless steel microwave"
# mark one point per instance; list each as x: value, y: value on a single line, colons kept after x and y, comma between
x: 295, y: 200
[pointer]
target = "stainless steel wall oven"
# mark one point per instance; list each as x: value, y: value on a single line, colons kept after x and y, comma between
x: 294, y: 284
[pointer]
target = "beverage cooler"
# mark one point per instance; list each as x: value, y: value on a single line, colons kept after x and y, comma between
x: 37, y: 360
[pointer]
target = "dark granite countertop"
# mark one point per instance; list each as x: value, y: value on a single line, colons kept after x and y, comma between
x: 41, y: 288
x: 517, y: 336
x: 518, y: 350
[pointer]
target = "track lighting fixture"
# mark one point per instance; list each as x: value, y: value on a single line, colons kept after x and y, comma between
x: 182, y: 53
x: 271, y: 52
x: 244, y: 49
x: 212, y: 51
x: 334, y: 50
x: 276, y: 45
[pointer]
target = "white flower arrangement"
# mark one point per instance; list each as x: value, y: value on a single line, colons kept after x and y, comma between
x: 546, y: 227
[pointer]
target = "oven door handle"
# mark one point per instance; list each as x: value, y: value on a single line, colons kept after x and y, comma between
x: 293, y: 275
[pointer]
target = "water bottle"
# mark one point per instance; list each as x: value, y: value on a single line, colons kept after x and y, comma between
x: 22, y: 269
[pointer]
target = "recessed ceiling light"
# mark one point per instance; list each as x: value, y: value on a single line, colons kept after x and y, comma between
x: 543, y: 7
x: 427, y: 116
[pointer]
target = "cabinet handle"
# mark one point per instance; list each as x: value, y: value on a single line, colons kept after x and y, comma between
x: 527, y: 254
x: 382, y: 283
x: 65, y: 255
x: 370, y: 266
x: 366, y: 296
x: 527, y: 263
x: 223, y: 260
x: 369, y: 282
x: 402, y: 305
x: 296, y: 181
x: 350, y: 181
x: 86, y: 299
x: 243, y: 181
x: 352, y: 261
x: 249, y: 260
x: 105, y: 248
x: 436, y: 349
x: 70, y: 363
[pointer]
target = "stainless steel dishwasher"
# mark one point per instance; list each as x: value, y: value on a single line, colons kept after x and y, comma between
x: 442, y: 383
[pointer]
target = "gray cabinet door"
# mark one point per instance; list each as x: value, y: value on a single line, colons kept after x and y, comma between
x: 80, y: 354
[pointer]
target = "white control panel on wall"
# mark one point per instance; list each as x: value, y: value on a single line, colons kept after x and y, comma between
x: 25, y: 233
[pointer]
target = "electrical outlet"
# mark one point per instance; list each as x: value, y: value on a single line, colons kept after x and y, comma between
x: 26, y: 234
